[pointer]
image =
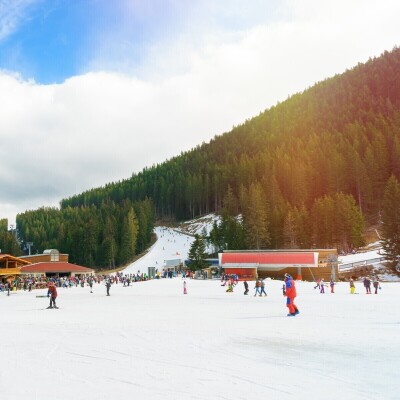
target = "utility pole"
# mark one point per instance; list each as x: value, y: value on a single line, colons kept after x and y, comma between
x: 29, y: 244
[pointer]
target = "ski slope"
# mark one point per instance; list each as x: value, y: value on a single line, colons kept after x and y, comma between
x: 150, y: 341
x: 170, y: 245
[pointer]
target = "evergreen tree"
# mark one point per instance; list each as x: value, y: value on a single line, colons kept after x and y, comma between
x: 391, y: 220
x: 128, y: 236
x: 8, y: 241
x: 197, y: 254
x: 255, y: 218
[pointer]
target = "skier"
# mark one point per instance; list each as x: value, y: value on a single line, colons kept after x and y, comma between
x: 246, y: 287
x: 318, y: 284
x: 263, y: 288
x: 376, y: 284
x: 52, y: 293
x: 367, y: 285
x: 290, y: 293
x: 322, y: 286
x: 258, y: 288
x: 352, y: 286
x: 91, y: 285
x: 332, y: 285
x: 108, y: 285
x: 184, y: 287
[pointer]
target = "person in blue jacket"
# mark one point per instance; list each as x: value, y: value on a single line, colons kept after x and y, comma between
x: 290, y: 293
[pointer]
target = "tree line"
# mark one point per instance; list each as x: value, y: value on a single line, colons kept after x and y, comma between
x: 107, y: 235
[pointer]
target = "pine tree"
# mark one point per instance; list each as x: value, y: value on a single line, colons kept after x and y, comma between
x: 197, y: 254
x: 255, y: 218
x: 391, y: 220
x: 128, y: 236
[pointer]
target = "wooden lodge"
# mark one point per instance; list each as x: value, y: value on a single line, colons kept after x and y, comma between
x: 10, y: 266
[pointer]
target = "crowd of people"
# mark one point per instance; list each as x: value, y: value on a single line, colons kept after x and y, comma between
x: 27, y: 283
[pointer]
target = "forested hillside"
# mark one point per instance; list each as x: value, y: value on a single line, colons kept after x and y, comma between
x: 310, y: 171
x: 105, y: 235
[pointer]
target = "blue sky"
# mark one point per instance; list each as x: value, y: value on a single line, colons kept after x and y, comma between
x: 51, y: 40
x: 92, y: 91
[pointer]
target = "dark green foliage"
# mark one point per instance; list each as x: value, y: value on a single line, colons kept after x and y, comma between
x: 391, y: 220
x: 197, y: 254
x: 103, y: 236
x: 8, y: 241
x: 337, y: 222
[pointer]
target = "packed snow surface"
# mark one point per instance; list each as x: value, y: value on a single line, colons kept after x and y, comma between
x: 150, y: 341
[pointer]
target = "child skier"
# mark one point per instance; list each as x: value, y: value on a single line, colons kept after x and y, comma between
x: 352, y: 287
x: 322, y: 286
x: 332, y: 285
x: 184, y: 287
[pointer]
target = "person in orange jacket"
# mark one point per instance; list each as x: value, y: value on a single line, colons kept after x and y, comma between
x: 52, y: 292
x: 290, y: 293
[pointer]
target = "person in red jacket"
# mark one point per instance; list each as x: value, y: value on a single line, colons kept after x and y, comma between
x: 52, y: 292
x: 290, y: 293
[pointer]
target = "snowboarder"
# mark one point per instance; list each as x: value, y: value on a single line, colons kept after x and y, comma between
x: 290, y: 293
x: 52, y: 293
x: 246, y: 287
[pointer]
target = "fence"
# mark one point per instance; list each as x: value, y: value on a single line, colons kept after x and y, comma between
x: 350, y: 266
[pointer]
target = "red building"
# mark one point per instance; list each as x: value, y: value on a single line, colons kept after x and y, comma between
x: 54, y: 268
x: 301, y: 264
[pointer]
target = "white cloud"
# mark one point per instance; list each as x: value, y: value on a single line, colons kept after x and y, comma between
x: 58, y: 140
x: 12, y: 12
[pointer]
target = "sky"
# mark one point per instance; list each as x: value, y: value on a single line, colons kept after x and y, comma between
x: 93, y: 91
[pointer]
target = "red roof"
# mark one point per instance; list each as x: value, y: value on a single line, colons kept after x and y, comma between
x: 55, y: 267
x: 268, y: 259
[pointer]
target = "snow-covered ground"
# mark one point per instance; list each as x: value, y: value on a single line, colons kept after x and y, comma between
x: 357, y: 257
x: 171, y: 245
x: 150, y: 341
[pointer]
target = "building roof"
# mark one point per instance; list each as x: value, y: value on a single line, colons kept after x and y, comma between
x: 55, y: 267
x: 12, y: 258
x: 270, y: 260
